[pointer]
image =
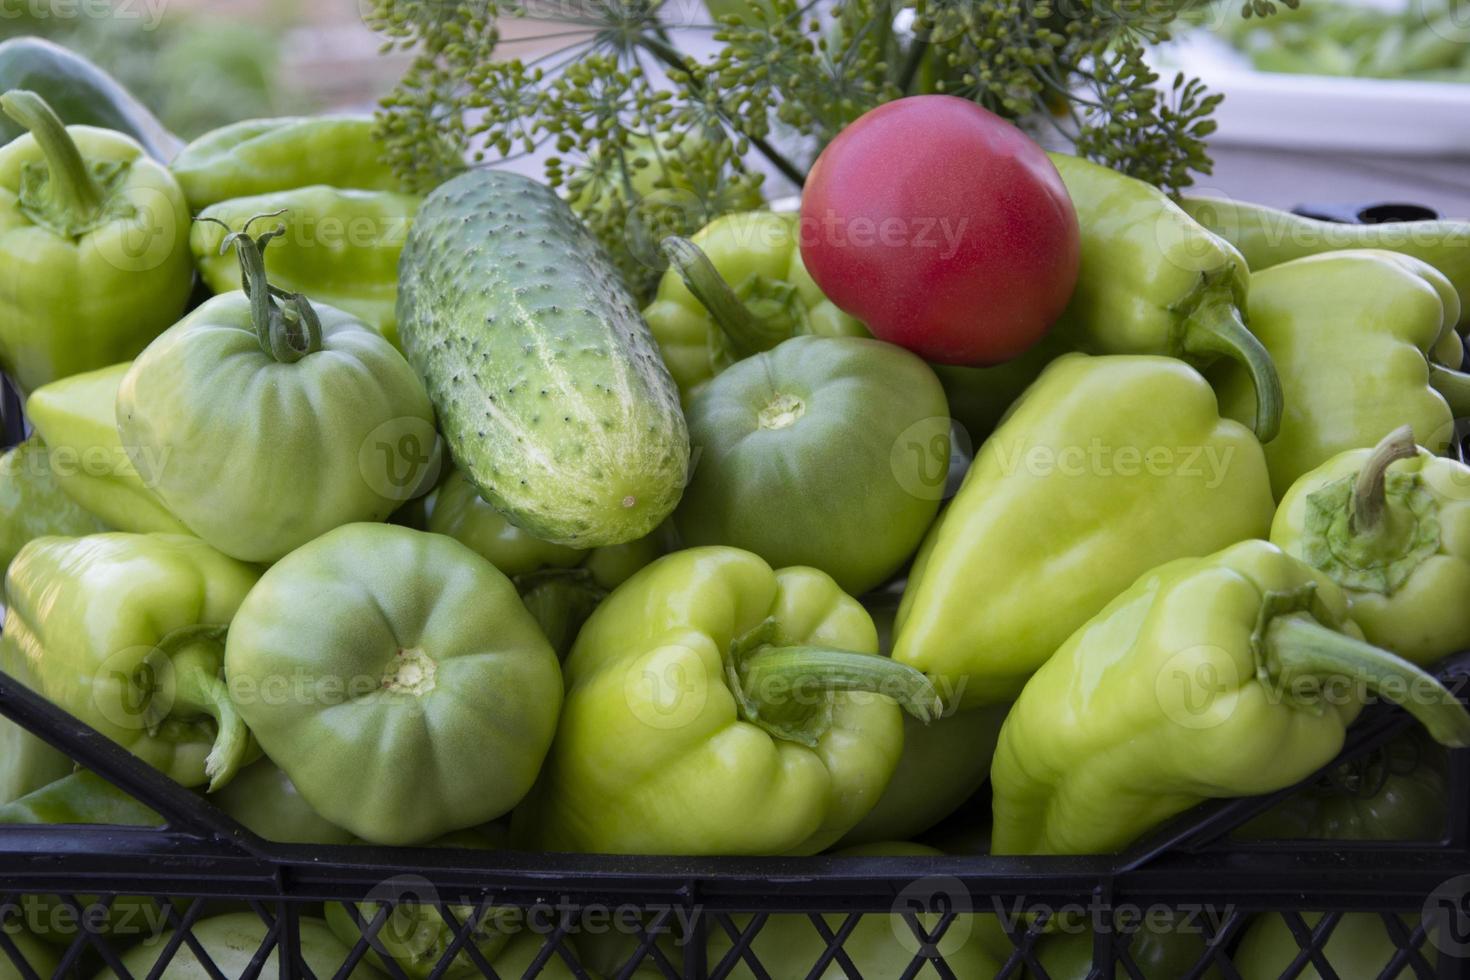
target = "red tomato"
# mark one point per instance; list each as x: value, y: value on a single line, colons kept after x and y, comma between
x: 942, y: 227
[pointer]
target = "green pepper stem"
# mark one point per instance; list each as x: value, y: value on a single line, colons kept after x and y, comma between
x: 775, y: 677
x: 1215, y: 328
x: 198, y: 690
x: 747, y: 335
x: 1298, y: 647
x: 73, y: 188
x: 1369, y: 494
x: 1453, y: 386
x: 287, y: 334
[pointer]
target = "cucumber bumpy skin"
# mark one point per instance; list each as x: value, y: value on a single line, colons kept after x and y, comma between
x: 549, y: 387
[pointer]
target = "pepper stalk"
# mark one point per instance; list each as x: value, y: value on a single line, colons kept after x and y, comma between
x: 1215, y: 328
x: 71, y: 196
x: 746, y: 332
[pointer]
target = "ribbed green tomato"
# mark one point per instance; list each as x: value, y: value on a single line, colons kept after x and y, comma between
x: 397, y: 679
x: 260, y: 447
x: 831, y: 452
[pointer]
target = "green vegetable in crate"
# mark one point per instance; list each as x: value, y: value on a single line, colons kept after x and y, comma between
x: 1155, y: 282
x: 1160, y: 948
x: 80, y: 797
x: 418, y: 659
x: 32, y: 504
x: 1106, y: 467
x: 1351, y: 334
x: 93, y: 236
x: 944, y: 762
x: 1231, y: 675
x: 416, y: 937
x: 1360, y: 948
x: 737, y: 288
x: 231, y: 942
x: 77, y: 419
x: 826, y: 451
x: 548, y: 385
x: 1398, y: 792
x: 715, y: 706
x: 263, y: 798
x: 26, y: 762
x: 39, y: 958
x: 81, y: 93
x: 1267, y: 237
x: 1391, y: 525
x: 265, y: 156
x: 559, y: 584
x: 340, y: 247
x: 789, y: 946
x: 147, y: 674
x: 524, y: 951
x: 265, y: 423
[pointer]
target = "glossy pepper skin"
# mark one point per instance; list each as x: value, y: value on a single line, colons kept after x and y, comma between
x: 80, y: 797
x: 263, y: 798
x: 1354, y: 359
x: 801, y: 445
x: 261, y: 156
x: 340, y: 247
x: 1391, y: 525
x: 1085, y: 486
x: 561, y: 585
x: 94, y: 239
x: 697, y: 719
x: 752, y: 292
x: 1268, y: 237
x: 27, y: 763
x: 77, y: 419
x: 417, y: 655
x: 1155, y: 282
x: 1230, y: 675
x: 1398, y: 792
x: 32, y: 505
x: 325, y: 424
x: 126, y: 632
x: 789, y: 947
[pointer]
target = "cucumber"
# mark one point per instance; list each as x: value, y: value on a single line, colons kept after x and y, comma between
x: 551, y: 393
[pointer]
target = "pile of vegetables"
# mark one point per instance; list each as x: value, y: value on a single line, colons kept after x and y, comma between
x: 408, y: 526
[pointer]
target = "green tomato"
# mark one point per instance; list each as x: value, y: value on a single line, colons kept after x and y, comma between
x: 831, y: 452
x: 1359, y: 948
x: 1159, y: 951
x: 397, y: 679
x: 259, y: 454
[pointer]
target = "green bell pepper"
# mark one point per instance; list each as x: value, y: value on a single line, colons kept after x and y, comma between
x: 944, y: 763
x: 322, y: 422
x: 561, y: 585
x: 79, y: 798
x: 715, y: 706
x: 1360, y: 948
x: 340, y: 247
x: 262, y: 156
x: 37, y: 957
x: 416, y: 937
x: 231, y: 942
x: 125, y: 631
x: 93, y: 236
x: 411, y: 655
x: 789, y: 946
x: 81, y: 93
x: 1231, y: 675
x: 1161, y: 949
x: 1391, y: 525
x: 77, y: 419
x: 32, y: 505
x: 1396, y: 793
x: 751, y: 291
x: 1351, y: 333
x: 1268, y: 237
x: 1154, y: 282
x: 265, y: 801
x: 1085, y: 486
x: 801, y: 446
